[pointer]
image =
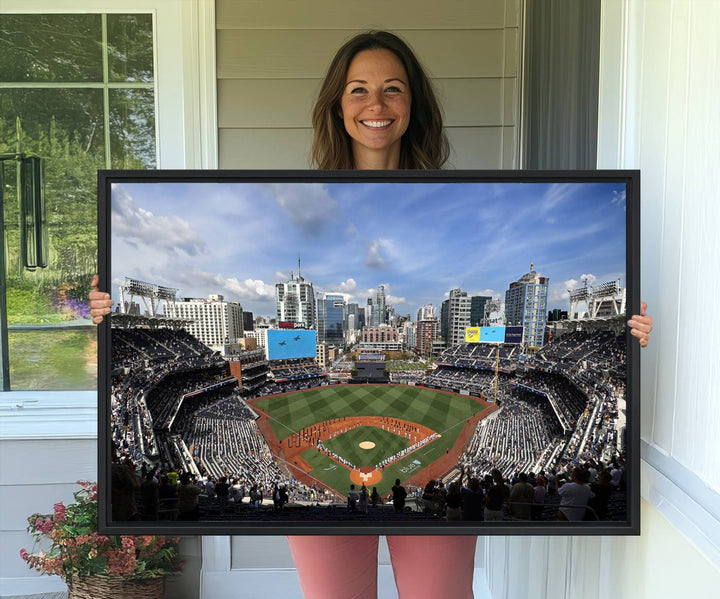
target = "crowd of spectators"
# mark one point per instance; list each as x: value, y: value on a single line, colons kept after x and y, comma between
x: 175, y: 407
x: 481, y: 356
x: 576, y: 491
x: 561, y: 403
x: 513, y: 438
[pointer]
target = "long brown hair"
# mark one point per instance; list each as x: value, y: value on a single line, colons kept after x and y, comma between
x: 424, y: 144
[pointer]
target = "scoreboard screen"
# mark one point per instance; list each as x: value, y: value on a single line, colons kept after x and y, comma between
x: 287, y: 344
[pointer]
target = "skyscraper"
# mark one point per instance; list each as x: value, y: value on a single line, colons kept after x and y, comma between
x: 352, y: 320
x: 426, y: 333
x: 376, y: 303
x: 212, y: 320
x: 409, y: 331
x: 427, y: 312
x: 477, y: 309
x: 296, y: 302
x: 459, y: 316
x: 526, y: 306
x: 330, y: 319
x: 455, y: 317
x: 248, y: 321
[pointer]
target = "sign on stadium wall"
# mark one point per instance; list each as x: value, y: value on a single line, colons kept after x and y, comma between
x: 291, y: 325
x: 513, y: 335
x: 493, y: 335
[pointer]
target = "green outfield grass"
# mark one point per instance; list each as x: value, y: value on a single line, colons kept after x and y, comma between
x: 348, y: 445
x: 443, y: 413
x: 328, y: 471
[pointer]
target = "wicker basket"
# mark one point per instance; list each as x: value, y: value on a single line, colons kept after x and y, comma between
x: 116, y: 587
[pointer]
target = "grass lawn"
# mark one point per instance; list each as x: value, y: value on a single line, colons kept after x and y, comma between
x: 347, y: 445
x: 442, y: 412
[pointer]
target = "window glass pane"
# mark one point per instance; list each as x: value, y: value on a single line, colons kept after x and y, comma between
x: 55, y: 359
x: 51, y: 118
x: 38, y: 48
x: 132, y: 128
x: 130, y: 48
x: 65, y: 128
x: 52, y: 342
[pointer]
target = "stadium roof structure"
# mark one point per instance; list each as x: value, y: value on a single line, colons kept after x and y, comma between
x: 605, y: 300
x: 151, y: 293
x: 135, y: 321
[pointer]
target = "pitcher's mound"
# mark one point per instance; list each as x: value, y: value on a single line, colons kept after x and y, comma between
x: 367, y: 445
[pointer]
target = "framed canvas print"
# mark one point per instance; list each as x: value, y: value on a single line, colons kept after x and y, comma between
x: 369, y: 352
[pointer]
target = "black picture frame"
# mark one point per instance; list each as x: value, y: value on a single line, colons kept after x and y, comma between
x: 630, y: 179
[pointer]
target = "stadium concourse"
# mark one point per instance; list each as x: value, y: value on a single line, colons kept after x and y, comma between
x: 557, y: 414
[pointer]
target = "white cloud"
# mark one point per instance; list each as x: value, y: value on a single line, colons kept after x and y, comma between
x: 560, y: 292
x: 574, y: 283
x: 618, y: 198
x: 380, y: 252
x: 309, y: 207
x: 138, y: 226
x: 390, y: 299
x: 347, y: 286
x: 556, y: 195
x: 230, y: 287
x: 571, y: 284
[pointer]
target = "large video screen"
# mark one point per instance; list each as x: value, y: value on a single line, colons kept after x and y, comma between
x: 369, y: 352
x: 283, y: 344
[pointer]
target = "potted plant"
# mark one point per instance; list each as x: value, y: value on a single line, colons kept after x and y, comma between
x: 124, y: 567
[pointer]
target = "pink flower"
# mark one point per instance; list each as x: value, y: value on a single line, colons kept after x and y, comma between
x: 24, y: 555
x: 128, y: 543
x: 44, y: 526
x: 59, y: 512
x: 121, y: 562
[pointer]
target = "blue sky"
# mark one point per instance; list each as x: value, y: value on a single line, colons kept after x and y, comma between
x: 418, y: 239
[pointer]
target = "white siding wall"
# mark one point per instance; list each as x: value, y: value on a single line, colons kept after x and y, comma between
x: 271, y: 57
x: 659, y: 90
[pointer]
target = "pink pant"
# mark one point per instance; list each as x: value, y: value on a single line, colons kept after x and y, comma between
x: 335, y: 567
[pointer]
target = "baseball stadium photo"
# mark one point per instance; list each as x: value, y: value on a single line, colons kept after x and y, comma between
x: 367, y: 352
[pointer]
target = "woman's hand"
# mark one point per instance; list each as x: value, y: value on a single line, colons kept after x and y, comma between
x: 641, y: 325
x: 100, y: 302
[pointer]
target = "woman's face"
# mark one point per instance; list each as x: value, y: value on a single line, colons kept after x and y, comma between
x: 375, y: 106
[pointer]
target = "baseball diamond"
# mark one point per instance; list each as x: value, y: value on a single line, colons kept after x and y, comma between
x: 416, y: 433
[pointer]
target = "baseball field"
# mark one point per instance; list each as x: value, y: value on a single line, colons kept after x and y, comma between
x: 362, y: 425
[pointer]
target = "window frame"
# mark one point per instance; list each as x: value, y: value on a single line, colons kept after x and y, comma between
x: 186, y: 137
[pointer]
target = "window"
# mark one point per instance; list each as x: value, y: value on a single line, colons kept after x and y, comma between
x: 77, y: 90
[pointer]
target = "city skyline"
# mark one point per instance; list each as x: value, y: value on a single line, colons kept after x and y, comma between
x: 419, y: 240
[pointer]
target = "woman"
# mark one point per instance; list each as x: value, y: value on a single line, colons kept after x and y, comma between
x: 376, y: 109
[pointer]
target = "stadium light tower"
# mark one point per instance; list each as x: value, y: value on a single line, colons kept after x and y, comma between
x: 603, y: 300
x: 151, y: 294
